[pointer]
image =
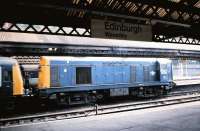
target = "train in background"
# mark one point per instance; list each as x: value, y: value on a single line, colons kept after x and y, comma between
x: 30, y: 77
x: 184, y: 69
x: 11, y: 80
x: 77, y: 80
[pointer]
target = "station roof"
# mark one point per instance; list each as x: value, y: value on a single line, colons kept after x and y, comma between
x: 170, y: 18
x: 52, y: 11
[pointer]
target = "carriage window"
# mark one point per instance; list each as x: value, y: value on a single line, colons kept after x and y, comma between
x: 7, y: 75
x: 83, y: 75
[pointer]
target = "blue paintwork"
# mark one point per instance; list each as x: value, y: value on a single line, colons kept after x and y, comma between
x: 106, y: 74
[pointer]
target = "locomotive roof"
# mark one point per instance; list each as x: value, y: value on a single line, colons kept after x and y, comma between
x: 7, y: 60
x: 71, y: 58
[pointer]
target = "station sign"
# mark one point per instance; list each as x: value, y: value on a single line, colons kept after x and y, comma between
x: 120, y: 30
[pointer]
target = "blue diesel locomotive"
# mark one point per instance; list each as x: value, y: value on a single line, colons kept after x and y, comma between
x: 82, y: 79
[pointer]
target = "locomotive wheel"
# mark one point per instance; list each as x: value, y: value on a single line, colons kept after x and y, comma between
x: 62, y: 100
x: 91, y: 98
x: 10, y: 105
x: 100, y: 96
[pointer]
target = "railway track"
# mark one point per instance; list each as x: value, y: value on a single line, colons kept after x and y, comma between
x: 179, y: 93
x: 100, y: 110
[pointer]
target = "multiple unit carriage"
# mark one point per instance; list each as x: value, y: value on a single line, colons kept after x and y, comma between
x: 74, y: 80
x: 11, y: 81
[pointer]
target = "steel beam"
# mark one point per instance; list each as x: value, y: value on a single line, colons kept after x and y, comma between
x: 28, y: 49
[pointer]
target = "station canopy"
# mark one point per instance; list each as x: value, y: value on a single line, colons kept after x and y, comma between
x: 176, y: 21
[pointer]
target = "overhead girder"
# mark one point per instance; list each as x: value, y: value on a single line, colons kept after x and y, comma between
x: 31, y: 49
x: 78, y: 13
x: 161, y: 32
x: 174, y: 34
x: 175, y: 31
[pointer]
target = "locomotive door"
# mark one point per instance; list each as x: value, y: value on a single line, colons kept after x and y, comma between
x: 154, y: 72
x: 64, y: 79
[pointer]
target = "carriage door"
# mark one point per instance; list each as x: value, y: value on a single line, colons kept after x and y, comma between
x: 6, y: 79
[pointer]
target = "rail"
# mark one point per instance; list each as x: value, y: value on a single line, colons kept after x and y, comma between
x: 175, y: 98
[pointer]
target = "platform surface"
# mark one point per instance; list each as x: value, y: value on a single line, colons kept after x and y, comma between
x: 181, y: 82
x: 184, y: 117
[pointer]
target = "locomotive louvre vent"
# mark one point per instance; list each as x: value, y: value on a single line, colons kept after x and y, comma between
x: 55, y: 79
x: 133, y: 73
x: 146, y: 73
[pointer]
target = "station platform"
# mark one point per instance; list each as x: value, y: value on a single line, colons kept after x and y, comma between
x: 183, y: 117
x: 181, y: 82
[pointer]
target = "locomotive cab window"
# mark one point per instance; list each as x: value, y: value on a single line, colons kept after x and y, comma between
x: 6, y: 76
x: 83, y: 75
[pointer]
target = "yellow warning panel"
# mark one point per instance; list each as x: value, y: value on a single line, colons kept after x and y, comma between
x: 44, y: 73
x: 18, y: 88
